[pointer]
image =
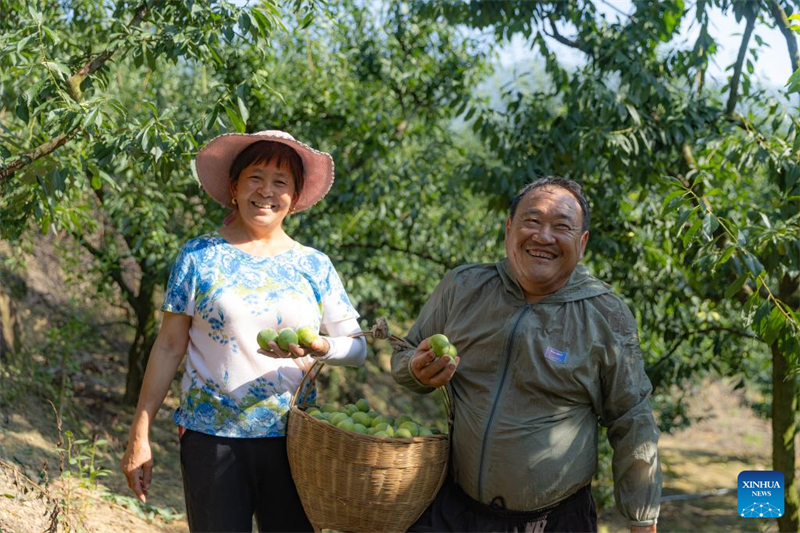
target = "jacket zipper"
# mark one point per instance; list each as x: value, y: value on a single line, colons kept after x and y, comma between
x: 506, y: 364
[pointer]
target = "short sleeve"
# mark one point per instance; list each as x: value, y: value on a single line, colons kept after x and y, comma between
x: 180, y: 293
x: 336, y: 305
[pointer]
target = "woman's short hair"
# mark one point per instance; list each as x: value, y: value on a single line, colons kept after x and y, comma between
x: 265, y: 152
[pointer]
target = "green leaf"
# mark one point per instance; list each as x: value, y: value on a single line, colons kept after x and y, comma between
x: 22, y: 111
x: 22, y: 45
x: 634, y: 114
x: 753, y: 264
x: 684, y: 216
x: 244, y: 22
x: 668, y: 201
x: 690, y: 233
x: 306, y: 21
x: 243, y: 112
x: 57, y: 68
x: 710, y: 225
x: 209, y: 120
x: 726, y: 255
x: 263, y: 23
x: 736, y: 286
x: 773, y: 325
x: 238, y: 123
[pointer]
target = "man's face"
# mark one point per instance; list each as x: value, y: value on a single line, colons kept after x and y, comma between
x: 544, y: 241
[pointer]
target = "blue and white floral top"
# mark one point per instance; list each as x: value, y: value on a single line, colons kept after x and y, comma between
x: 229, y: 389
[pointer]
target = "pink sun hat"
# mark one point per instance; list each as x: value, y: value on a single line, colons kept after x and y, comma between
x: 214, y: 162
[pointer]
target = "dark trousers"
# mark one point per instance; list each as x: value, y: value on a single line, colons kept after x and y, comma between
x: 226, y: 481
x: 453, y: 510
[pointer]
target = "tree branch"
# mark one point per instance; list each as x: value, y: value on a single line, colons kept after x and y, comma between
x: 618, y: 10
x: 702, y: 51
x: 74, y: 89
x: 567, y: 42
x: 40, y: 151
x: 783, y: 24
x: 115, y: 271
x: 737, y: 69
x: 386, y: 246
x: 688, y: 334
x: 74, y: 82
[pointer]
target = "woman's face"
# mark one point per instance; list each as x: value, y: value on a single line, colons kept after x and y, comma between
x: 264, y: 194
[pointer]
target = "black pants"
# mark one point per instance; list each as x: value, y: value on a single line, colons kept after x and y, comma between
x: 453, y: 510
x: 226, y: 481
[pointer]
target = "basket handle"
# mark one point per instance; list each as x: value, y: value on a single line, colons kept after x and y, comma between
x: 379, y: 331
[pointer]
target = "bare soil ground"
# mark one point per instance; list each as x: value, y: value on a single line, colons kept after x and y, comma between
x: 708, y: 457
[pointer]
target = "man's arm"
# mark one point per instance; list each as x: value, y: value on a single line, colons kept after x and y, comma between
x: 418, y: 369
x: 632, y: 430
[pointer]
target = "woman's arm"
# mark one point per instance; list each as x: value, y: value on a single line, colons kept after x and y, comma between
x: 166, y: 355
x: 344, y: 350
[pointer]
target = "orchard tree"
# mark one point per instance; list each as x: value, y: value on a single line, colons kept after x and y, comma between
x: 102, y: 108
x: 110, y: 164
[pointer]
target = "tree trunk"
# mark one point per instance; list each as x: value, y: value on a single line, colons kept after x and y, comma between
x: 9, y: 326
x: 139, y: 352
x: 784, y: 429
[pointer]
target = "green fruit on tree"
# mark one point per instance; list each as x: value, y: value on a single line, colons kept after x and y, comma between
x: 403, y: 433
x: 286, y: 337
x: 306, y: 335
x: 265, y: 336
x: 363, y: 405
x: 439, y: 344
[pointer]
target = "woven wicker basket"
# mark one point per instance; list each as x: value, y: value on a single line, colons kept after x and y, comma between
x: 353, y: 482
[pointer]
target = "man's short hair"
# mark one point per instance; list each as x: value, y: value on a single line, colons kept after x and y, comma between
x: 555, y: 181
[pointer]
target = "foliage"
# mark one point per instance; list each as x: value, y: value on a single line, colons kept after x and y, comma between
x: 690, y: 197
x: 81, y: 455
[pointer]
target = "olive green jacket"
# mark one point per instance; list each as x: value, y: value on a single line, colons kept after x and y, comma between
x: 532, y: 383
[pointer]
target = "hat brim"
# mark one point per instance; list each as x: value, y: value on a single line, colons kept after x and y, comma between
x: 214, y: 162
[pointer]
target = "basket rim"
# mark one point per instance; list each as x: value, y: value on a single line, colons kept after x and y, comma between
x: 383, y: 440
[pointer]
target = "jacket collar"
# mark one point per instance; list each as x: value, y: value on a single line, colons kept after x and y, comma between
x: 581, y: 285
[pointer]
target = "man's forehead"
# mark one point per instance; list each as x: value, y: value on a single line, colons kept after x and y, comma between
x: 564, y: 198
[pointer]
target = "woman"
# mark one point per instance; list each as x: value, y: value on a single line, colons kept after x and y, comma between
x: 223, y: 289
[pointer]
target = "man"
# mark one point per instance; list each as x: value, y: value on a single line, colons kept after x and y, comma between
x: 545, y: 350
